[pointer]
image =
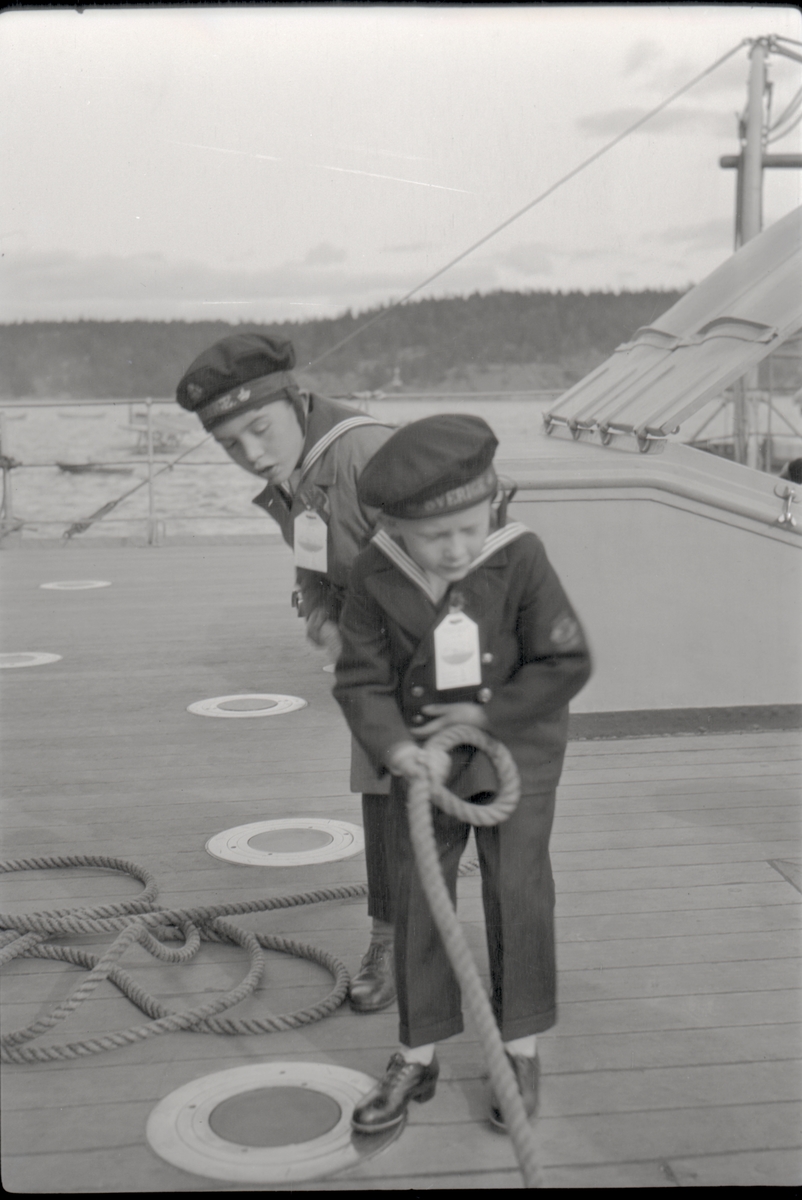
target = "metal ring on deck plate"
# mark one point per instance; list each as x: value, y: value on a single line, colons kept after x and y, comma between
x: 181, y: 1127
x: 27, y: 658
x: 233, y: 845
x: 262, y: 704
x: 75, y: 585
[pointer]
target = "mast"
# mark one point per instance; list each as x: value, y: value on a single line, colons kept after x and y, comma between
x: 749, y: 222
x: 750, y: 165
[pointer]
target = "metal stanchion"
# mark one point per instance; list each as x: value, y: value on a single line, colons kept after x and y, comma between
x: 10, y: 527
x: 153, y: 530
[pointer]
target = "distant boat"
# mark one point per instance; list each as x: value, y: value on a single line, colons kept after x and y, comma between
x: 166, y: 434
x: 94, y: 468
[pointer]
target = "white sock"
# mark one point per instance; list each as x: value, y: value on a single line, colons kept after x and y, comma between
x: 524, y: 1046
x: 420, y: 1054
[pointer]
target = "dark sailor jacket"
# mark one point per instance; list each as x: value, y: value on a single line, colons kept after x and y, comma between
x: 533, y: 653
x: 328, y: 488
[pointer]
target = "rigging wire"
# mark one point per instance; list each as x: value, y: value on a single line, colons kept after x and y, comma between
x: 788, y: 111
x: 532, y: 203
x: 784, y: 132
x: 81, y: 526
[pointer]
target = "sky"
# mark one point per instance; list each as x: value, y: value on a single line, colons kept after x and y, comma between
x: 270, y: 163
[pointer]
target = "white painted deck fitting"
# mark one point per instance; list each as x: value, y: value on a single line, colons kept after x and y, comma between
x: 264, y: 704
x: 179, y: 1128
x: 75, y: 585
x: 27, y: 658
x: 233, y: 844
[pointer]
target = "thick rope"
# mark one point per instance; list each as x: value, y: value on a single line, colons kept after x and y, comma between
x: 424, y: 791
x: 138, y: 921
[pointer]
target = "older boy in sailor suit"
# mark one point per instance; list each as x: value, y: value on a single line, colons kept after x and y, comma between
x: 310, y: 451
x: 448, y: 621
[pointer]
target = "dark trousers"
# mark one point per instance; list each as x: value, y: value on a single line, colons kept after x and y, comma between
x: 380, y: 856
x: 518, y: 898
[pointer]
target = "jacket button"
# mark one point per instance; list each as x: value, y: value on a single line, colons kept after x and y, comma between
x: 483, y: 695
x: 487, y: 657
x: 417, y: 719
x: 417, y: 690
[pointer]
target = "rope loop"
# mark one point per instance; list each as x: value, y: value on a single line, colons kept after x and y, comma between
x: 509, y: 784
x: 140, y: 921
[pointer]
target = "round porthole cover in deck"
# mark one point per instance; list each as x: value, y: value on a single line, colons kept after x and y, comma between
x: 274, y: 1122
x: 340, y: 840
x: 249, y: 704
x: 27, y: 658
x: 75, y: 585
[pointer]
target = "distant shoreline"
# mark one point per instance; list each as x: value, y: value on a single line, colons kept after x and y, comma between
x: 500, y: 340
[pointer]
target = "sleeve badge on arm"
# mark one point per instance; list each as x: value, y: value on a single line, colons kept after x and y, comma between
x: 565, y: 632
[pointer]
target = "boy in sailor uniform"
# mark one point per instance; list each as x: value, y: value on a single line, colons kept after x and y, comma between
x: 450, y: 621
x: 309, y: 450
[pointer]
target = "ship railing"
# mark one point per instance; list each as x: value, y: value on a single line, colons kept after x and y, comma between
x: 159, y: 447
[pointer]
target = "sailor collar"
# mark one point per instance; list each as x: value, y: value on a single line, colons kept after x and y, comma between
x: 316, y: 444
x: 399, y: 557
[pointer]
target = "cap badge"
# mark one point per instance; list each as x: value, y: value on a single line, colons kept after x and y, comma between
x: 195, y: 392
x: 243, y: 394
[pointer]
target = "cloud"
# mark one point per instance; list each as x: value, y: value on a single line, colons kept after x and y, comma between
x: 671, y: 120
x: 324, y: 255
x: 58, y: 285
x: 642, y: 54
x: 64, y: 286
x: 530, y: 258
x: 730, y: 77
x: 657, y: 75
x: 712, y: 234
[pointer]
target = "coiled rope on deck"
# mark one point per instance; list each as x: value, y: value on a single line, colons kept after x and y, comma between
x: 423, y: 791
x: 139, y: 921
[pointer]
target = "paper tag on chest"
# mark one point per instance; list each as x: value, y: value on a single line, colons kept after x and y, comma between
x: 456, y: 653
x: 310, y: 536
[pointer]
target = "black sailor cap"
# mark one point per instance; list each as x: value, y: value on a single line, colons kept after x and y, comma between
x: 437, y: 465
x: 238, y: 373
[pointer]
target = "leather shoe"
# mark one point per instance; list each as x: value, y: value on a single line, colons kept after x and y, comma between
x: 527, y: 1073
x: 386, y: 1105
x: 373, y: 987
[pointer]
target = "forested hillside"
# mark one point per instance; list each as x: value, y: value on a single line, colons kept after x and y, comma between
x: 559, y: 335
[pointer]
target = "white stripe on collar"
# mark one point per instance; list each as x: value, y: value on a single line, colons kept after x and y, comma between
x: 397, y: 555
x: 336, y: 431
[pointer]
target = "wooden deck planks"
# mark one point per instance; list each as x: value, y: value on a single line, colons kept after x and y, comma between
x: 675, y: 1060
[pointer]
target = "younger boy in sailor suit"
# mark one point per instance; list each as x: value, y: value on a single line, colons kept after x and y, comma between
x: 450, y: 622
x: 309, y: 450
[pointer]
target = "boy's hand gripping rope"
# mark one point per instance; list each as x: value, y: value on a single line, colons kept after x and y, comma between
x: 423, y: 791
